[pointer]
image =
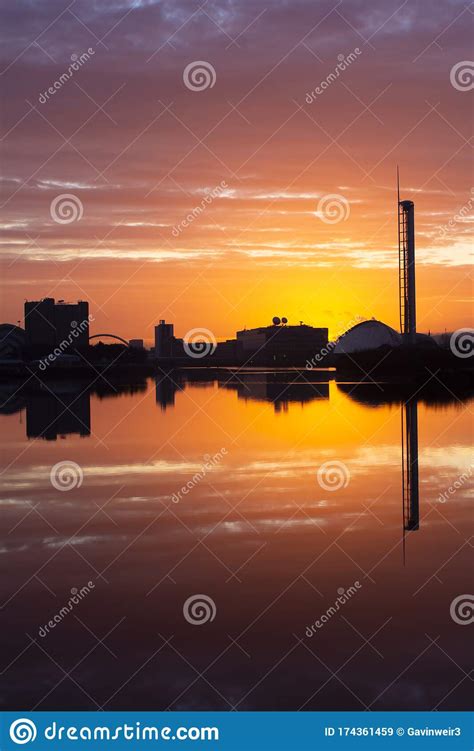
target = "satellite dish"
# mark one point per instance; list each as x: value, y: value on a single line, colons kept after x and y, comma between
x: 276, y: 321
x: 284, y: 320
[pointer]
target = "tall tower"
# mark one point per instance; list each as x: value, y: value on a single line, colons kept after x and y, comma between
x: 164, y: 337
x: 406, y: 269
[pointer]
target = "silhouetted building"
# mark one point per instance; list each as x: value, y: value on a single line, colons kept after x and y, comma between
x: 164, y: 339
x: 281, y: 344
x: 50, y: 325
x: 12, y: 341
x: 136, y: 344
x: 228, y: 352
x: 367, y: 335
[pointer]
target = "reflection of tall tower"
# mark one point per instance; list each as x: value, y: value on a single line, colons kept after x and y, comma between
x: 411, y: 510
x: 406, y: 268
x: 165, y: 389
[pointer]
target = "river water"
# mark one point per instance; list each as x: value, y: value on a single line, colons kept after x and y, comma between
x: 233, y: 543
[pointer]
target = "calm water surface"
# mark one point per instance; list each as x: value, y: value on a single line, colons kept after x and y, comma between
x: 256, y: 533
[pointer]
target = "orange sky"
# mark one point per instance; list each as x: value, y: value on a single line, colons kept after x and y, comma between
x: 263, y: 246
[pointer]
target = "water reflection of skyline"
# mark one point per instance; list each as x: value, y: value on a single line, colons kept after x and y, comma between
x: 243, y: 535
x: 59, y: 409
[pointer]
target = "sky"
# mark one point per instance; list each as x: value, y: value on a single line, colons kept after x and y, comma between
x: 218, y: 163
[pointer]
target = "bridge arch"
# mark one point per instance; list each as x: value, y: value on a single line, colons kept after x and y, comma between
x: 111, y: 336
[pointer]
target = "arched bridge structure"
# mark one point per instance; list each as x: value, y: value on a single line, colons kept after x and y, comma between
x: 111, y: 336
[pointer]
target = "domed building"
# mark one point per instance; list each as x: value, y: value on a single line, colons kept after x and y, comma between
x: 12, y: 342
x: 365, y: 336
